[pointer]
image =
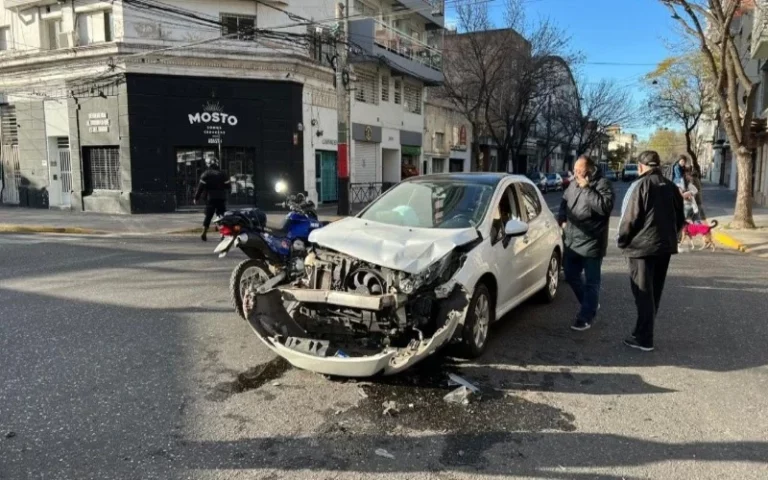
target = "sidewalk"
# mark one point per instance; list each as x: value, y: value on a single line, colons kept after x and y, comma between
x: 718, y: 205
x: 27, y: 220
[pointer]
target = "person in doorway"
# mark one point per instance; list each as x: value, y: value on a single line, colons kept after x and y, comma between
x: 651, y: 218
x: 215, y: 184
x: 585, y: 212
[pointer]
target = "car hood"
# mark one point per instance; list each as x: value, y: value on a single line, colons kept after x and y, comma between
x: 400, y: 248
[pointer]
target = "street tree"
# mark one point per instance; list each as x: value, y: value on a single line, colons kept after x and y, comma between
x: 669, y: 144
x: 498, y: 78
x: 599, y: 106
x: 679, y: 92
x: 618, y: 157
x: 708, y: 23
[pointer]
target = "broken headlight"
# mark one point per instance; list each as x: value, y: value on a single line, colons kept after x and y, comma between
x: 408, y: 283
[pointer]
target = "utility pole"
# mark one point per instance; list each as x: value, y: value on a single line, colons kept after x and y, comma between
x: 342, y: 105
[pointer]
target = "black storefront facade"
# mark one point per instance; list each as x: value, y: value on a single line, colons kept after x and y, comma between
x: 143, y: 149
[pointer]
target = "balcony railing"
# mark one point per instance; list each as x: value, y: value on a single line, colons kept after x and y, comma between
x: 406, y: 46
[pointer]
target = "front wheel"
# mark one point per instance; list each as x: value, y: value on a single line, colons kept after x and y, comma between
x: 480, y: 313
x: 248, y: 274
x: 547, y: 294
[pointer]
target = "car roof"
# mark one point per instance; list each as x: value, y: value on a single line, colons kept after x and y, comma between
x: 486, y: 178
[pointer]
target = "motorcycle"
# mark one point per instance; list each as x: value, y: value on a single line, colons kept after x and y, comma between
x: 275, y: 253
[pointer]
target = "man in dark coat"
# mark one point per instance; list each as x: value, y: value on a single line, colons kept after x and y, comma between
x: 651, y: 218
x: 584, y: 215
x: 215, y: 184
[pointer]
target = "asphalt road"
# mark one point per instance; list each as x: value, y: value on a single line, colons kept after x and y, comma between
x: 121, y: 358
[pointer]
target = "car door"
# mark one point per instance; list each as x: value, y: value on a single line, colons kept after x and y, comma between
x: 537, y: 254
x: 506, y: 253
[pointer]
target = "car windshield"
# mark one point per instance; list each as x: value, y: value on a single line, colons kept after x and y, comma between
x: 552, y: 176
x: 535, y: 177
x: 630, y: 167
x: 432, y: 204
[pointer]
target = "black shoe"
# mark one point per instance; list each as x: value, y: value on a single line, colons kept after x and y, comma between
x: 580, y: 325
x: 204, y: 236
x: 632, y: 342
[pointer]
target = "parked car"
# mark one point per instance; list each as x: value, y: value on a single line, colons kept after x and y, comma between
x: 567, y: 177
x: 630, y: 172
x: 554, y: 181
x: 540, y: 180
x: 435, y: 259
x: 611, y: 175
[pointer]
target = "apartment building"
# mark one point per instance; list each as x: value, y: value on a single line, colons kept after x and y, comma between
x: 758, y: 46
x: 621, y: 139
x: 114, y: 106
x: 447, y: 137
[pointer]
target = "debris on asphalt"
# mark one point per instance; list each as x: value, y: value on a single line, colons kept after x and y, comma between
x: 462, y: 396
x: 10, y: 434
x: 362, y: 393
x: 383, y: 453
x: 457, y: 380
x: 276, y: 384
x: 390, y: 408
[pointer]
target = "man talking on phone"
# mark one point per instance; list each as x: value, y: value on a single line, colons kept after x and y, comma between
x: 584, y: 215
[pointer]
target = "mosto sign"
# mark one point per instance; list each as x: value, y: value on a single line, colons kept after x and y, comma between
x: 212, y: 113
x: 213, y: 119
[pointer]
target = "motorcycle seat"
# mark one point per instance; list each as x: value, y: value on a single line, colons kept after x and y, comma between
x: 276, y: 229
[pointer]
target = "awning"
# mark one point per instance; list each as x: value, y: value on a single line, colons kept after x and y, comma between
x: 410, y: 150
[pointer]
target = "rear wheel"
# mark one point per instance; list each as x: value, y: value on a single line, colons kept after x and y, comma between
x: 548, y: 293
x: 480, y: 315
x: 248, y: 274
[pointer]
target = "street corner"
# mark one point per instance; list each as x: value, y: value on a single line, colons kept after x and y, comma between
x: 10, y: 228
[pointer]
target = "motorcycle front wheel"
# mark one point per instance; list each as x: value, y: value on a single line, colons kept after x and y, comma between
x: 248, y: 274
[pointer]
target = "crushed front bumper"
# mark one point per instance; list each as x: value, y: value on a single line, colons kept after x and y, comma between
x: 271, y: 319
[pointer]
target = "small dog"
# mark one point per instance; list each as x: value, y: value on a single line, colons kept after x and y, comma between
x: 695, y: 229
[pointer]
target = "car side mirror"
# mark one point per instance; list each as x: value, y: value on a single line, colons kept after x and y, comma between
x: 515, y: 228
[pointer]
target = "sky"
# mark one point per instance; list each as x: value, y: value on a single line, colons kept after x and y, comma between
x: 620, y: 39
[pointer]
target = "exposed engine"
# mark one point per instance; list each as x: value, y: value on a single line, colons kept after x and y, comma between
x: 358, y: 331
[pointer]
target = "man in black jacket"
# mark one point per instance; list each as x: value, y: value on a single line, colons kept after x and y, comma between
x: 651, y: 217
x: 585, y: 212
x: 214, y: 183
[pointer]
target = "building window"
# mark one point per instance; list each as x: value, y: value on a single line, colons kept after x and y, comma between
x: 95, y: 27
x: 439, y: 141
x: 361, y: 8
x: 9, y: 128
x: 5, y: 39
x: 322, y: 48
x: 398, y: 92
x: 238, y: 27
x: 102, y: 168
x: 365, y: 88
x: 52, y: 32
x: 385, y: 88
x: 413, y: 98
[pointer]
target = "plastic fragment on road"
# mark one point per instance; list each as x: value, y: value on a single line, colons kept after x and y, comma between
x: 390, y: 408
x: 383, y: 453
x: 457, y: 380
x: 461, y: 396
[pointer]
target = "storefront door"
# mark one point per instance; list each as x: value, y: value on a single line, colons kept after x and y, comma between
x: 190, y: 164
x: 329, y: 183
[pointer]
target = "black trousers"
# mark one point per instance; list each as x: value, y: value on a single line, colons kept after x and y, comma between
x: 213, y: 206
x: 648, y: 275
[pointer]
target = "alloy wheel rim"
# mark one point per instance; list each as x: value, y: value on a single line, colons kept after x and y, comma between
x: 482, y: 320
x: 553, y: 276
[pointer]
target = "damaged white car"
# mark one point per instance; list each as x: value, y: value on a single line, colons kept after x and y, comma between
x: 436, y: 259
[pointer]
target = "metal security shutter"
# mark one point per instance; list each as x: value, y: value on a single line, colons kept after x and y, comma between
x: 366, y: 162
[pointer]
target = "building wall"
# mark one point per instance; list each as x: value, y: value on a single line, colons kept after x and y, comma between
x: 33, y: 153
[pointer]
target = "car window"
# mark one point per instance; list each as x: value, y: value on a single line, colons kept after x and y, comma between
x: 531, y: 201
x: 506, y: 210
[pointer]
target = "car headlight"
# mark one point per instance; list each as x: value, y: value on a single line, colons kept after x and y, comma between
x: 408, y: 283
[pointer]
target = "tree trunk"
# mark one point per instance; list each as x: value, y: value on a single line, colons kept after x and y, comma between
x: 742, y: 215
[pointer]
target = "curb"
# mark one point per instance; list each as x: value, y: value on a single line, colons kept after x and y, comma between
x: 5, y: 228
x: 729, y: 241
